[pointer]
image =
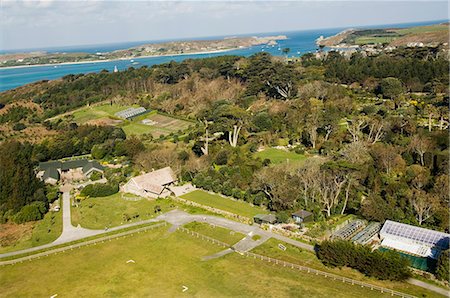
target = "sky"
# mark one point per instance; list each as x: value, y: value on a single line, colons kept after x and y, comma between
x: 27, y: 24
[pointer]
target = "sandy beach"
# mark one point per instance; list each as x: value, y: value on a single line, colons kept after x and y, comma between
x: 121, y: 59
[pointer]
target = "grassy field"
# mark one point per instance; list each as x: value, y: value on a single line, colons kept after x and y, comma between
x: 97, y: 213
x: 277, y: 156
x: 306, y: 258
x: 164, y: 263
x: 162, y: 125
x: 98, y: 112
x: 373, y: 39
x: 218, y: 233
x: 216, y: 201
x: 44, y: 231
x: 105, y: 115
x: 422, y: 29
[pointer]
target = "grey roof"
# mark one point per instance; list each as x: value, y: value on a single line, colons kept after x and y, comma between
x: 92, y: 165
x: 417, y: 234
x: 51, y: 172
x: 131, y: 112
x: 73, y: 164
x: 49, y: 164
x: 302, y: 213
x: 266, y: 217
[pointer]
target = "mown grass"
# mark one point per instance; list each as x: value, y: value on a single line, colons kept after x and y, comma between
x: 115, y: 210
x: 307, y: 258
x: 164, y: 263
x: 374, y: 39
x: 277, y: 156
x: 218, y: 233
x: 45, y: 231
x: 97, y: 112
x: 164, y: 125
x: 226, y: 204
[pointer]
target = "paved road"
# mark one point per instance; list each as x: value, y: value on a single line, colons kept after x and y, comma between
x: 69, y: 232
x: 428, y: 286
x: 180, y: 218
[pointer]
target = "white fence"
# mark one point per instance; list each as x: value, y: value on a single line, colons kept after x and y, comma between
x: 302, y: 268
x: 78, y: 245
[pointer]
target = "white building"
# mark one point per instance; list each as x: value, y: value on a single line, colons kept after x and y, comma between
x: 154, y: 184
x: 413, y: 240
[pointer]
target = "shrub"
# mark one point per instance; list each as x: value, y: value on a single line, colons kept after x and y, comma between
x: 96, y: 176
x: 19, y: 126
x: 382, y: 265
x: 100, y: 190
x: 442, y: 267
x: 31, y: 212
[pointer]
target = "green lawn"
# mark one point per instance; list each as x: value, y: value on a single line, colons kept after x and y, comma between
x: 422, y: 29
x: 97, y: 112
x: 306, y: 258
x: 237, y: 207
x: 374, y: 39
x: 97, y: 213
x: 164, y: 263
x: 45, y: 231
x: 218, y: 233
x: 277, y: 156
x: 164, y: 125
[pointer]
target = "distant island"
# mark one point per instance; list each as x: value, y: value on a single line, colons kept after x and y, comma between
x: 420, y: 36
x: 146, y: 50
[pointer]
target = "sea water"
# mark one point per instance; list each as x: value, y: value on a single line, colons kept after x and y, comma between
x: 299, y: 43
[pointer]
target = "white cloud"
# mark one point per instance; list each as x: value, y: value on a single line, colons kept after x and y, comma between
x: 44, y: 23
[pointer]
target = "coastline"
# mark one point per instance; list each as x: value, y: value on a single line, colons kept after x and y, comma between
x: 120, y: 59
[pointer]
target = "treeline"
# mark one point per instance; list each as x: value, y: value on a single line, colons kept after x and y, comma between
x: 24, y: 197
x: 386, y: 265
x: 416, y: 74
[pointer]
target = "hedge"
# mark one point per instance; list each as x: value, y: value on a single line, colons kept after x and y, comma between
x: 100, y: 190
x: 380, y: 264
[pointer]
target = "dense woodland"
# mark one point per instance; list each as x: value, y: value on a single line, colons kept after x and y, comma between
x: 374, y: 129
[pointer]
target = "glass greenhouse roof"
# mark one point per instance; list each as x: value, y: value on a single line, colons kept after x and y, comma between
x: 417, y: 234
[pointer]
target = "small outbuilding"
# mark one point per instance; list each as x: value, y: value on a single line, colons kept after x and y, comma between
x: 302, y: 216
x: 265, y: 218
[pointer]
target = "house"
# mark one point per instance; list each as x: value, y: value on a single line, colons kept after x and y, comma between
x: 302, y: 216
x: 154, y: 184
x: 413, y: 240
x: 264, y: 218
x: 78, y: 169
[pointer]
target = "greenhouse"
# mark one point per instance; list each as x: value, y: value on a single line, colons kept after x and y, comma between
x: 131, y: 112
x: 413, y: 240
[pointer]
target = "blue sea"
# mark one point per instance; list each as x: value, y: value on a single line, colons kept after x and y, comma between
x: 300, y: 42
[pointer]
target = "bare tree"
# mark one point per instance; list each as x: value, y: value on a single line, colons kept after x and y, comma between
x: 283, y: 91
x: 330, y: 187
x: 329, y: 130
x: 307, y: 177
x: 234, y: 135
x: 350, y: 182
x: 420, y: 144
x: 423, y: 204
x: 205, y: 148
x: 355, y: 127
x: 375, y: 133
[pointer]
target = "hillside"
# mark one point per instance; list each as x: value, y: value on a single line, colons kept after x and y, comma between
x: 427, y: 35
x: 146, y: 50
